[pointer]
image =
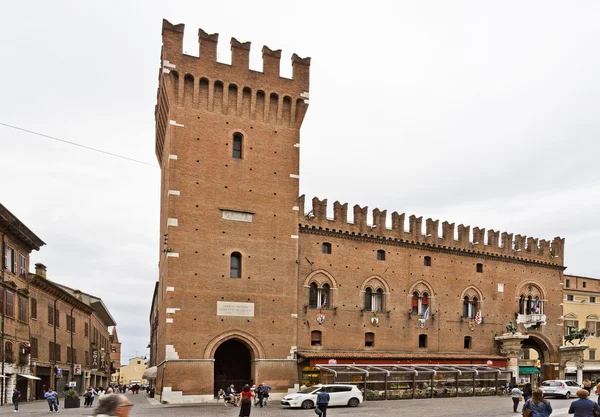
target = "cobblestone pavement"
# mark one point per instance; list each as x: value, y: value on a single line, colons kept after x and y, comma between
x: 447, y: 407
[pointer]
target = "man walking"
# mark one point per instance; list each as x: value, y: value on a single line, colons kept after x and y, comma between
x: 322, y: 402
x: 52, y: 398
x: 15, y: 398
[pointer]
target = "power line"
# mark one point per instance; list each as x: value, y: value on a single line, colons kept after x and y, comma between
x: 77, y: 144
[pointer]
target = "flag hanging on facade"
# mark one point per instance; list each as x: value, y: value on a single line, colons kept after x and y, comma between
x: 536, y: 306
x: 426, y: 315
x: 478, y: 318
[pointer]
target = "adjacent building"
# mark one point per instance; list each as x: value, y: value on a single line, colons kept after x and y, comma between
x: 18, y: 241
x: 53, y: 334
x: 134, y: 372
x: 254, y: 287
x: 581, y: 310
x: 115, y: 354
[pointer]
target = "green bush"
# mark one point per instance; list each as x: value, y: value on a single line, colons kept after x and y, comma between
x: 71, y: 393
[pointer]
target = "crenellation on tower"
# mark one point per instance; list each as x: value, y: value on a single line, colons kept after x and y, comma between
x: 240, y: 54
x: 208, y: 45
x: 340, y: 212
x: 271, y: 61
x: 498, y: 243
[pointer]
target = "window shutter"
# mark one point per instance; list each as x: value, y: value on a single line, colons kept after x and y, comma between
x: 368, y: 300
x: 591, y: 326
x: 313, y: 296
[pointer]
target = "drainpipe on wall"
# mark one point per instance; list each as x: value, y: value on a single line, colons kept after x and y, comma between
x: 53, y: 372
x: 72, y: 351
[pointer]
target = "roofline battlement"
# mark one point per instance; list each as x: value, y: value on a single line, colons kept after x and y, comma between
x: 515, y: 246
x: 172, y: 36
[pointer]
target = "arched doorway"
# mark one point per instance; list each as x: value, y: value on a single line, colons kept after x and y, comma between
x: 233, y: 365
x: 535, y: 348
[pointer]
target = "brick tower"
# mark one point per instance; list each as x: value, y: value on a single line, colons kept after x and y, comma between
x: 227, y: 141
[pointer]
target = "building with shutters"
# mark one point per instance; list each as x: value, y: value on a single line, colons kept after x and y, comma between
x: 581, y: 309
x: 256, y: 285
x: 48, y: 327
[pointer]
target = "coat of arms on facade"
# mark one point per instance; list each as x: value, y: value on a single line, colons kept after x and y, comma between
x: 375, y: 320
x: 320, y: 318
x: 472, y: 326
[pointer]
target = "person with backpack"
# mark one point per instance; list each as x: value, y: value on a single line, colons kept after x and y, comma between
x: 246, y: 401
x: 537, y: 406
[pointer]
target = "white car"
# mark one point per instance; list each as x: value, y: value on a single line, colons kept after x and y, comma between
x: 560, y: 387
x: 339, y: 394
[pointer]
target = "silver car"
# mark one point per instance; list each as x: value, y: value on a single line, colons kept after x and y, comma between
x: 560, y: 388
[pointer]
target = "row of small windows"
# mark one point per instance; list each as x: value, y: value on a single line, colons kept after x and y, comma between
x: 590, y: 299
x: 316, y: 339
x: 326, y: 248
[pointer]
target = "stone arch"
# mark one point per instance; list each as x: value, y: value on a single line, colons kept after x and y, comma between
x: 471, y: 291
x: 532, y: 288
x: 421, y: 286
x: 593, y: 317
x: 314, y: 277
x: 255, y: 347
x: 570, y: 316
x: 545, y: 345
x: 375, y: 282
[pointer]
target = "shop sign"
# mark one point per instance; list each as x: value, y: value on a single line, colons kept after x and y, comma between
x: 95, y: 359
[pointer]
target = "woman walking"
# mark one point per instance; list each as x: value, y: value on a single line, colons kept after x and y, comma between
x: 517, y: 395
x: 246, y: 401
x: 583, y: 407
x: 538, y: 406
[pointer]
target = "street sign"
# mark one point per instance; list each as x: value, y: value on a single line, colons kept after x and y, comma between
x: 58, y: 371
x: 72, y: 384
x: 77, y: 369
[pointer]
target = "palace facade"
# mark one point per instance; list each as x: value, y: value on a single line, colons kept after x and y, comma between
x: 255, y: 287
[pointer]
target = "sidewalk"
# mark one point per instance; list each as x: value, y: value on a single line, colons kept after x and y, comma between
x: 40, y: 407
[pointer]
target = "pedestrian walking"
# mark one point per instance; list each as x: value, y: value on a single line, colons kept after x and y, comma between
x: 527, y: 391
x: 246, y: 401
x: 587, y: 385
x: 93, y: 394
x: 322, y: 403
x: 516, y: 395
x: 52, y: 397
x: 113, y: 405
x: 583, y: 407
x: 260, y: 395
x: 15, y: 398
x: 537, y: 406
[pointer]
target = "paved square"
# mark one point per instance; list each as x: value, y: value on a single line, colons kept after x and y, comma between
x: 446, y: 407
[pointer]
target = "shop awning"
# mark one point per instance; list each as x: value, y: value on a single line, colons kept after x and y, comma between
x: 150, y: 373
x: 528, y: 370
x: 30, y: 377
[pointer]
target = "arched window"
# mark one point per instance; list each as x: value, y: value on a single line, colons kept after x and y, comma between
x: 381, y: 255
x: 368, y: 299
x: 467, y: 342
x: 235, y: 266
x: 377, y: 304
x: 427, y: 261
x: 369, y: 339
x: 326, y: 248
x: 319, y: 297
x: 423, y: 341
x: 470, y: 306
x: 424, y: 303
x: 313, y: 293
x: 415, y: 303
x: 238, y: 138
x: 374, y: 300
x: 315, y: 338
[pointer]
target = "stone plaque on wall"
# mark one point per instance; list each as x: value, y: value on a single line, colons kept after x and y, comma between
x: 237, y: 216
x: 230, y: 308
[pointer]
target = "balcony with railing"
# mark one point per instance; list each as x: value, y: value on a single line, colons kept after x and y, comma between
x: 531, y: 320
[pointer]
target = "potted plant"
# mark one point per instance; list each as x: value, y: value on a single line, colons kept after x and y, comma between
x: 72, y: 399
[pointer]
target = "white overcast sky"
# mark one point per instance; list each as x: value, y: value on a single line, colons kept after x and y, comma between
x: 476, y: 112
